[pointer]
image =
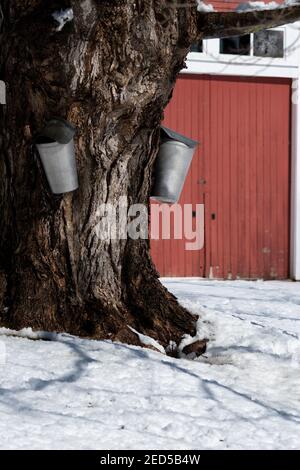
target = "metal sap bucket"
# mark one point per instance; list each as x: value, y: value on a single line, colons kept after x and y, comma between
x: 172, y: 165
x: 55, y: 145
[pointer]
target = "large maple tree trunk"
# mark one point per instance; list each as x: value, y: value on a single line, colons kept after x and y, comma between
x: 110, y: 72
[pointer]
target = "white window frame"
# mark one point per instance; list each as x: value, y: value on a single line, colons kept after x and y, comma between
x: 234, y: 64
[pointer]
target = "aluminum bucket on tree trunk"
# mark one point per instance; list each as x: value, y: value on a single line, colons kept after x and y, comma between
x: 55, y: 145
x: 172, y: 165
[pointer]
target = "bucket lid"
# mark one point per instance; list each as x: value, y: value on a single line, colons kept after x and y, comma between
x: 168, y: 134
x: 59, y: 130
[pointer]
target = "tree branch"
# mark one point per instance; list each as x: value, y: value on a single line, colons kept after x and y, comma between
x: 223, y: 24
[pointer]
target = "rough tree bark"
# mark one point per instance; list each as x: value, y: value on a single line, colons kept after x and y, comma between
x: 110, y: 72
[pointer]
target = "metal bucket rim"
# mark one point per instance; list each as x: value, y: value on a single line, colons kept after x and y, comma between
x: 171, y: 135
x: 58, y: 130
x: 51, y: 144
x: 175, y: 143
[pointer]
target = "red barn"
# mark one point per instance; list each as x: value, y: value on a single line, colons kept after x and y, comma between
x: 238, y: 98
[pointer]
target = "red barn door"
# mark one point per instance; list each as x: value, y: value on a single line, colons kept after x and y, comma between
x: 240, y: 173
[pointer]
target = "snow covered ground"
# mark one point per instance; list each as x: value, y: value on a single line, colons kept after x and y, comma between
x: 245, y: 394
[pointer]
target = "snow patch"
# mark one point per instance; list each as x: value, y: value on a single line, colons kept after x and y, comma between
x: 2, y: 353
x: 256, y: 6
x: 29, y: 334
x: 63, y: 17
x: 259, y: 5
x: 148, y: 341
x: 244, y: 393
x: 204, y: 7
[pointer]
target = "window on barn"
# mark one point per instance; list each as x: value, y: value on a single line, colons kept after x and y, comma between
x: 197, y: 47
x: 268, y: 43
x: 237, y: 45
